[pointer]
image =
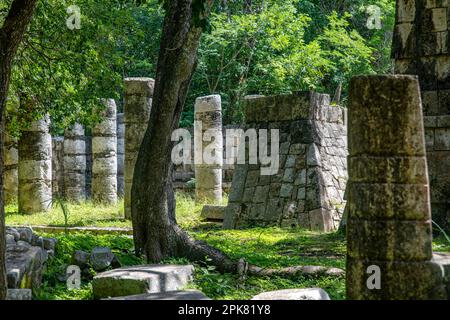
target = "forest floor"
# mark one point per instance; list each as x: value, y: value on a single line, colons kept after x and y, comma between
x: 266, y: 247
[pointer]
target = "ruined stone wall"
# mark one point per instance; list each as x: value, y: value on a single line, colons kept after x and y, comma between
x: 422, y: 47
x: 309, y: 187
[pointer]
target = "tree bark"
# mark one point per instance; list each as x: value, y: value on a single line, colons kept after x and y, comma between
x: 11, y: 34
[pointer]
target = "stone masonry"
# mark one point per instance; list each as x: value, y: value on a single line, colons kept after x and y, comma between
x: 10, y: 175
x: 389, y: 219
x: 120, y: 154
x: 104, y: 156
x: 58, y: 166
x: 137, y: 107
x: 422, y: 47
x: 309, y: 187
x: 207, y: 133
x: 75, y: 164
x: 35, y: 168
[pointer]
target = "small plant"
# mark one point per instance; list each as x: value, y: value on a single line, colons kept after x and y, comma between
x: 442, y: 231
x: 191, y: 183
x: 60, y: 202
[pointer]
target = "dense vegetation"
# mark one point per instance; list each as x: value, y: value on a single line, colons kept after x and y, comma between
x: 262, y: 46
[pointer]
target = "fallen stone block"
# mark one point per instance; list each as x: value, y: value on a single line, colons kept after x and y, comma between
x: 213, y: 213
x: 443, y: 259
x: 141, y: 279
x: 170, y: 295
x: 19, y: 294
x: 24, y: 266
x: 101, y: 258
x: 294, y: 294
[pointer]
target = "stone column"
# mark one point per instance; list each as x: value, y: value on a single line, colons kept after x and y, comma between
x: 120, y: 154
x: 58, y: 166
x: 35, y: 168
x: 75, y: 164
x: 104, y: 157
x: 10, y: 177
x: 208, y: 172
x: 138, y: 104
x: 389, y: 223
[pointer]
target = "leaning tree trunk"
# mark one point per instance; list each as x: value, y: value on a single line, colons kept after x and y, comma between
x: 156, y: 233
x: 11, y: 34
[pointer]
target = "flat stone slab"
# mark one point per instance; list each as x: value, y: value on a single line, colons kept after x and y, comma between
x: 24, y: 265
x: 171, y: 295
x: 294, y: 294
x: 19, y: 294
x: 443, y: 259
x: 213, y: 213
x: 141, y: 279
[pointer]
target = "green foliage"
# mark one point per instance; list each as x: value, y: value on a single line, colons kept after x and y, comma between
x: 271, y: 47
x: 66, y: 72
x: 54, y: 287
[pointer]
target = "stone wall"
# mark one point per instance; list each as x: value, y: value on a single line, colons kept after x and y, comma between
x: 422, y: 47
x: 309, y: 187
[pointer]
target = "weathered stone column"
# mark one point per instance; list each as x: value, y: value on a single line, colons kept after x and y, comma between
x: 10, y: 176
x: 389, y: 222
x: 104, y: 157
x: 138, y: 104
x: 35, y: 168
x: 58, y: 166
x: 120, y: 154
x: 208, y: 172
x: 75, y: 164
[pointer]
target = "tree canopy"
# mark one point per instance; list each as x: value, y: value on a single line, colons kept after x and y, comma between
x: 249, y: 47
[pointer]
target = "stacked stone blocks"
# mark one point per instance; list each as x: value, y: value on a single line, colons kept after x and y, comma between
x: 309, y: 187
x: 389, y: 222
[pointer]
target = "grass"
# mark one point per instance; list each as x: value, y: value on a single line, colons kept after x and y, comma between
x: 80, y: 215
x: 266, y: 247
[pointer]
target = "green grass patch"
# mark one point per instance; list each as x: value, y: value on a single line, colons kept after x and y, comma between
x: 80, y: 215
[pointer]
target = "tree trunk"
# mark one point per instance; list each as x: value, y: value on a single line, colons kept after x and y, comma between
x: 156, y: 233
x: 11, y: 34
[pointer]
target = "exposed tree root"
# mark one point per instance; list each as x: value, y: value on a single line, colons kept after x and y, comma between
x: 195, y: 250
